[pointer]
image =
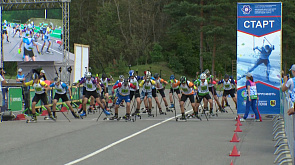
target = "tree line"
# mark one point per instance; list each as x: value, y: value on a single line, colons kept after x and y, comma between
x: 190, y: 35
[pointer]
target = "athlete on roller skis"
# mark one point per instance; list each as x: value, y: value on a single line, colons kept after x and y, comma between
x: 172, y: 82
x: 135, y: 92
x: 187, y: 90
x: 91, y: 85
x: 203, y: 92
x: 123, y: 94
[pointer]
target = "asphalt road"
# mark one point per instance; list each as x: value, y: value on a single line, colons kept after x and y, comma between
x: 158, y: 140
x: 10, y: 50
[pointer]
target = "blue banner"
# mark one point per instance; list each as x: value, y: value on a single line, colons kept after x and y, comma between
x: 259, y: 38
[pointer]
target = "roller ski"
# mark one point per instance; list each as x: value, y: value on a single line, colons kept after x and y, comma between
x: 149, y: 112
x: 50, y: 117
x: 75, y: 115
x: 182, y: 118
x: 83, y: 115
x: 90, y: 110
x: 161, y: 112
x: 32, y: 120
x: 194, y: 116
x: 127, y: 118
x: 136, y: 114
x: 205, y: 113
x: 170, y: 109
x: 112, y: 118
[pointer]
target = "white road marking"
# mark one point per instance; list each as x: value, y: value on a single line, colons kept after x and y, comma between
x: 120, y: 141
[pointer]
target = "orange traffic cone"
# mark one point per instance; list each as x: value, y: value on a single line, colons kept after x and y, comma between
x: 20, y: 117
x: 231, y: 163
x: 238, y: 118
x: 235, y: 138
x: 64, y: 109
x: 235, y: 152
x: 238, y: 123
x: 44, y: 113
x: 238, y: 129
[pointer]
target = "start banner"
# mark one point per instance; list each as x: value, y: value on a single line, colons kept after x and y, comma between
x: 259, y: 40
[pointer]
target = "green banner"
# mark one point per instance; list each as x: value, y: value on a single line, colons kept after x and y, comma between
x: 75, y: 93
x: 15, y: 99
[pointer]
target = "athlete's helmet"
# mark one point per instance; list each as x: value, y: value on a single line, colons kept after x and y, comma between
x: 35, y: 76
x: 56, y: 79
x: 226, y: 76
x: 183, y: 79
x: 125, y: 82
x: 29, y: 26
x: 88, y: 75
x: 148, y: 74
x: 156, y: 75
x: 267, y: 47
x: 121, y: 77
x: 5, y: 21
x: 104, y: 76
x: 203, y: 76
x: 131, y: 73
x: 172, y: 77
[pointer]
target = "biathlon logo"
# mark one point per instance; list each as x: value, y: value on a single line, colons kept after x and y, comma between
x: 273, y: 103
x: 244, y: 93
x: 246, y: 9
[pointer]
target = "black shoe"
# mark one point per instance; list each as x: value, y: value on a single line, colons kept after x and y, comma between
x: 114, y: 117
x: 126, y: 117
x: 183, y: 117
x: 75, y: 115
x: 135, y: 113
x: 161, y: 112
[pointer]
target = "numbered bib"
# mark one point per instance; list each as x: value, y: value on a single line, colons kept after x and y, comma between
x: 59, y: 90
x: 147, y: 87
x: 125, y: 90
x: 89, y: 86
x: 38, y: 89
x: 184, y: 89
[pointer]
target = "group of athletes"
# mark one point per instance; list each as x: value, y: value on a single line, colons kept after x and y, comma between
x: 28, y: 37
x: 128, y: 88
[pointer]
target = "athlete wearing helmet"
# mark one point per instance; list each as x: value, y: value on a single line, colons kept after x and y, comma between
x: 172, y: 82
x: 160, y: 86
x: 228, y: 85
x: 28, y: 47
x: 212, y: 89
x: 40, y: 94
x: 264, y: 52
x: 135, y: 92
x: 123, y: 89
x: 4, y: 31
x: 105, y: 93
x: 47, y: 38
x: 121, y: 79
x: 91, y: 85
x: 61, y: 93
x: 146, y: 85
x: 187, y: 90
x: 203, y: 92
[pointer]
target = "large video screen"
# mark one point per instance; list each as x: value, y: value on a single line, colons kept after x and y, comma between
x: 32, y: 35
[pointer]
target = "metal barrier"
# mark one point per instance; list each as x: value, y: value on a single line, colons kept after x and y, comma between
x: 283, y: 131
